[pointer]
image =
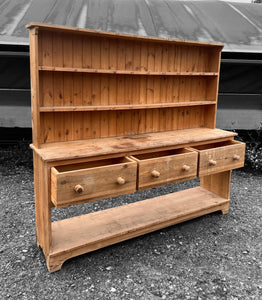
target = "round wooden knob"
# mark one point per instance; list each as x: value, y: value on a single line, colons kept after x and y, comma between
x: 186, y: 168
x: 120, y: 180
x: 155, y: 174
x: 236, y: 157
x: 78, y: 189
x: 212, y: 162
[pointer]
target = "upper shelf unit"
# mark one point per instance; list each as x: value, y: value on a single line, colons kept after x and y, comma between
x: 90, y: 84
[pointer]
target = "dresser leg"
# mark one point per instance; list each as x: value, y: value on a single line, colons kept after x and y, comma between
x: 54, y: 266
x: 42, y: 205
x: 225, y: 209
x: 218, y: 183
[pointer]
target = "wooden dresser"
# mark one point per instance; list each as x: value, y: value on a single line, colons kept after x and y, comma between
x: 116, y: 113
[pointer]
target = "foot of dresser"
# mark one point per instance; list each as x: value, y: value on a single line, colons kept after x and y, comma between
x: 54, y: 265
x: 225, y: 209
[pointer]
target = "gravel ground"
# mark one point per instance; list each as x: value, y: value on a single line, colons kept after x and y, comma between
x: 212, y: 257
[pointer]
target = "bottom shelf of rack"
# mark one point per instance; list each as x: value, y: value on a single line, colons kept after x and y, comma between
x: 81, y: 234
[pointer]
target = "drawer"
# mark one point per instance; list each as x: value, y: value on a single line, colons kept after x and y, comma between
x: 219, y: 157
x: 78, y: 183
x: 160, y: 168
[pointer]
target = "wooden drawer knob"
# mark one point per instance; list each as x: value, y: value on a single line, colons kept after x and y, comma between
x: 120, y: 180
x: 236, y: 157
x: 186, y: 168
x: 78, y: 189
x: 212, y: 162
x: 155, y: 174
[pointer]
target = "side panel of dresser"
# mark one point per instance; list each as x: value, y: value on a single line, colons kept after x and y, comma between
x: 42, y: 204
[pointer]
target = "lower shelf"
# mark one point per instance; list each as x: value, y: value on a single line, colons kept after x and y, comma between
x: 78, y: 235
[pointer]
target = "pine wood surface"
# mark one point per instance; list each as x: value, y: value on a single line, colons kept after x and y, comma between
x: 60, y: 28
x: 99, y: 97
x: 124, y: 72
x: 42, y: 204
x: 33, y: 38
x: 82, y: 76
x: 219, y: 184
x: 97, y: 181
x: 115, y: 54
x: 216, y: 158
x: 163, y: 168
x: 130, y: 144
x: 77, y: 125
x: 80, y: 108
x: 99, y: 229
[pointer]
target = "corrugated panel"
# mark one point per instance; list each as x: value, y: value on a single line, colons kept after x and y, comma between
x: 237, y: 25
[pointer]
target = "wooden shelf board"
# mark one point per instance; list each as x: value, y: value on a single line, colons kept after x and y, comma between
x: 92, y: 32
x: 124, y: 106
x: 127, y: 145
x: 71, y: 237
x: 123, y: 72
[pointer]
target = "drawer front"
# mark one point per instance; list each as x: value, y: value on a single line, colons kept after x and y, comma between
x: 89, y: 184
x: 168, y: 169
x: 219, y: 159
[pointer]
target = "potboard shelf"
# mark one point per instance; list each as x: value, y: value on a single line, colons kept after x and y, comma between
x: 89, y: 232
x: 124, y: 72
x: 124, y: 106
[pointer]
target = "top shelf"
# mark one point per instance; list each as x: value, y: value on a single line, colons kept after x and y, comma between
x: 124, y: 72
x: 116, y: 35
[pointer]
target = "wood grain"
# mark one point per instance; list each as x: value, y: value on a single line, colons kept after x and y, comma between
x: 35, y: 97
x: 222, y: 154
x: 78, y: 235
x: 86, y: 72
x: 169, y: 165
x: 128, y: 144
x: 100, y: 33
x: 113, y: 113
x: 218, y: 183
x: 91, y: 175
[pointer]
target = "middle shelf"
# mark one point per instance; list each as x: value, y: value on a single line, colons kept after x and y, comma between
x: 123, y: 72
x: 124, y: 106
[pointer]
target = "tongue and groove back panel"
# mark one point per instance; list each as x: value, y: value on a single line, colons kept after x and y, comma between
x: 93, y: 86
